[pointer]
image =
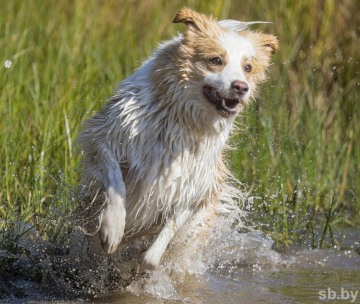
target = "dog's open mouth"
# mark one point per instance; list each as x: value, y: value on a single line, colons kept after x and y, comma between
x: 226, y: 105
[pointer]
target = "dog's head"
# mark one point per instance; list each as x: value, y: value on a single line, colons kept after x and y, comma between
x: 227, y: 60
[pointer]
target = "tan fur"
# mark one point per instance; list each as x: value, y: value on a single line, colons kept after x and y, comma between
x: 191, y: 60
x: 200, y: 44
x: 265, y: 45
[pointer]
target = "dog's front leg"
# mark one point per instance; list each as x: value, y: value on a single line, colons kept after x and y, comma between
x: 152, y: 257
x: 113, y: 220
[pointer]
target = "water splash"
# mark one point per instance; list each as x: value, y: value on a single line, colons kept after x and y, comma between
x: 209, y: 253
x: 8, y: 64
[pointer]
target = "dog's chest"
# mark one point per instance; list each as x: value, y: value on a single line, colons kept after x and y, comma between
x: 176, y: 181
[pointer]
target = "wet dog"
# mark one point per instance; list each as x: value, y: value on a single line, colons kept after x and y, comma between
x: 155, y: 150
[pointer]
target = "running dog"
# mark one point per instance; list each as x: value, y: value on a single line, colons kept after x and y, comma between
x: 155, y: 150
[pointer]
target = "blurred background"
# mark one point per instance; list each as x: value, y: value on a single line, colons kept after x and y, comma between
x: 297, y: 148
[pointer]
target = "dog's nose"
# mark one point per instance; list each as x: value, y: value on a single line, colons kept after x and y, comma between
x: 240, y: 87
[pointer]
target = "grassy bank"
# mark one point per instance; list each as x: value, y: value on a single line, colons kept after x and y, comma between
x: 298, y: 150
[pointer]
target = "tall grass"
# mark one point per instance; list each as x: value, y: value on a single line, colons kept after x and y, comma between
x: 298, y: 150
x: 300, y: 145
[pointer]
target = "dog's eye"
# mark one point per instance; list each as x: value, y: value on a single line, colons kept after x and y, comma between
x: 248, y: 68
x: 216, y: 61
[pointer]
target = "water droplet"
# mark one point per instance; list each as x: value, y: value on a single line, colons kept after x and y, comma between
x: 8, y: 64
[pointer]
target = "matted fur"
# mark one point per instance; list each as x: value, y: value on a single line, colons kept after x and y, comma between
x: 166, y: 138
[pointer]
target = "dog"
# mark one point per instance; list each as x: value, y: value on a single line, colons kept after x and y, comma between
x: 155, y: 151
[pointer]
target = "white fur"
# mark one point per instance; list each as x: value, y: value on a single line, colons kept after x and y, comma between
x: 234, y: 25
x: 156, y: 160
x: 237, y: 48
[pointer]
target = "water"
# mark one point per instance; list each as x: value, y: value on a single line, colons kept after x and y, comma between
x: 208, y: 262
x: 247, y: 270
x: 283, y: 286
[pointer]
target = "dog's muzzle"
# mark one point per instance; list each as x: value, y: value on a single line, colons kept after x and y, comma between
x: 226, y: 105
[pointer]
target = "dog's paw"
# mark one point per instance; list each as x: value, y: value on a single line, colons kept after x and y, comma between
x: 112, y: 229
x: 150, y: 259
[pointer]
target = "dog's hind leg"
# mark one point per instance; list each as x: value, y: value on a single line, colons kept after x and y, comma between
x: 113, y: 219
x: 152, y: 257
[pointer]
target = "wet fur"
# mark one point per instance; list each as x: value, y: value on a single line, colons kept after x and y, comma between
x: 153, y: 154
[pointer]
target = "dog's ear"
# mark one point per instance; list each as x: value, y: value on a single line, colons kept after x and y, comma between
x: 269, y: 42
x: 193, y: 20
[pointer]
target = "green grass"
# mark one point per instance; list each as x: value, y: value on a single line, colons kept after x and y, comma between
x: 298, y: 150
